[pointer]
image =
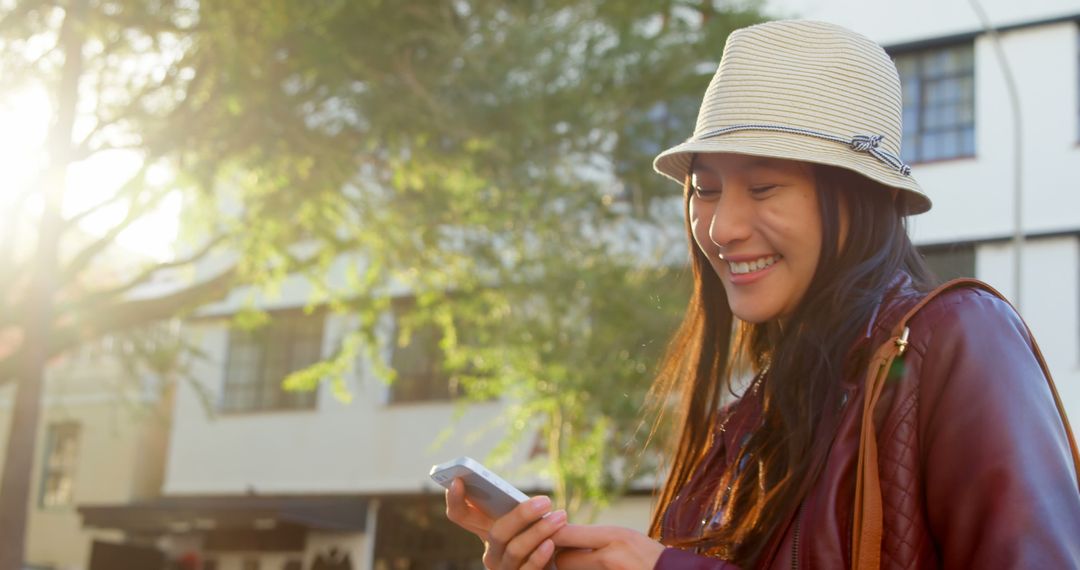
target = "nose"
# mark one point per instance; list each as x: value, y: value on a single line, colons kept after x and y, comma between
x: 731, y: 220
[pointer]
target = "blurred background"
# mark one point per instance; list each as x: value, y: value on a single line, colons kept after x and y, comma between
x: 262, y: 264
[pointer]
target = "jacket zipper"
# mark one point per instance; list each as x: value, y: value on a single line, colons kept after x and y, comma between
x: 795, y: 541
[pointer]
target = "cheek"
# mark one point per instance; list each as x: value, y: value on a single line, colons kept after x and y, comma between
x: 698, y: 228
x: 794, y: 229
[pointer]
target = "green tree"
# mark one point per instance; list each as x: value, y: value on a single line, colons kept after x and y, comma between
x: 492, y: 156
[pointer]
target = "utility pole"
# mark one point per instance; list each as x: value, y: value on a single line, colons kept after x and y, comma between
x: 1018, y: 147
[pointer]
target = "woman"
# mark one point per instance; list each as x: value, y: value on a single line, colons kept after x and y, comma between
x: 795, y: 197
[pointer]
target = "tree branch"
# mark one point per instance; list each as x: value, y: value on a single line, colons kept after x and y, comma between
x: 87, y: 255
x: 108, y: 318
x: 85, y: 147
x: 98, y: 297
x: 128, y: 188
x: 21, y: 9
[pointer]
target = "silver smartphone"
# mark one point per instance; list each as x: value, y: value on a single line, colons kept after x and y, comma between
x: 484, y: 489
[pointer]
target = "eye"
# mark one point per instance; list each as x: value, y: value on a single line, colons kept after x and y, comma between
x: 762, y: 189
x: 705, y: 193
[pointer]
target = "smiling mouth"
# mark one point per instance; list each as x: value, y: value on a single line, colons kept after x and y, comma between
x: 744, y: 267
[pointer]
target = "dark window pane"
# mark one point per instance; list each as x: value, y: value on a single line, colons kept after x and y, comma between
x: 950, y: 261
x: 950, y: 142
x: 911, y: 121
x: 417, y: 362
x: 259, y: 360
x: 936, y: 118
x: 907, y: 66
x: 967, y: 141
x: 966, y: 113
x: 929, y: 146
x: 908, y: 152
x: 58, y: 465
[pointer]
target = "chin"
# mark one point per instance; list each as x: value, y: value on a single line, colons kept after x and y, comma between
x: 754, y: 315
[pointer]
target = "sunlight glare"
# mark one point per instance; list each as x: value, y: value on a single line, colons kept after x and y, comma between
x: 100, y: 177
x: 25, y: 116
x: 24, y: 123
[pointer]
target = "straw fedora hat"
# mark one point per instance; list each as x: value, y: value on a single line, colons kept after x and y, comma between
x: 808, y: 91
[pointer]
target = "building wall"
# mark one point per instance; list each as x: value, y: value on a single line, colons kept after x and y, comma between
x: 121, y: 448
x: 363, y: 446
x: 1050, y: 303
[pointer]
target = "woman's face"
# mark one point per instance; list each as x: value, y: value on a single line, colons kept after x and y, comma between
x: 757, y: 221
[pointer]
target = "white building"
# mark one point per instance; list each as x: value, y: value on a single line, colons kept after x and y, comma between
x: 257, y: 478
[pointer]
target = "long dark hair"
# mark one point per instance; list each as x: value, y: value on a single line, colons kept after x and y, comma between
x: 806, y: 360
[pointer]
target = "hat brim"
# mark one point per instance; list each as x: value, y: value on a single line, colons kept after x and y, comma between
x: 675, y: 161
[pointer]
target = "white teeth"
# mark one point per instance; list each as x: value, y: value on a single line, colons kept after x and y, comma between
x: 738, y: 268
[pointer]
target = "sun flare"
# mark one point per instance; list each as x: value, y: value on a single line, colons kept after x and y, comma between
x: 25, y: 118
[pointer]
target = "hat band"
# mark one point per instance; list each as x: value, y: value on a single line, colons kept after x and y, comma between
x: 858, y: 143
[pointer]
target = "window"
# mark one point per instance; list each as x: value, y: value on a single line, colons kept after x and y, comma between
x: 58, y: 467
x: 260, y: 359
x: 950, y: 261
x: 418, y: 363
x: 939, y: 103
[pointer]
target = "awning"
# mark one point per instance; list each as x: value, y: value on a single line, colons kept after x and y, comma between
x: 191, y: 513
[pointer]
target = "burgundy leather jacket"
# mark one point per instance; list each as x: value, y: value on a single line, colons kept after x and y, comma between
x: 975, y: 466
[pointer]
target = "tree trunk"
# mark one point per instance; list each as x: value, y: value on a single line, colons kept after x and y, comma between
x: 22, y: 437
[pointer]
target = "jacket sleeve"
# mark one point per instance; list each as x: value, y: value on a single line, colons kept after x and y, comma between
x: 675, y: 559
x: 1000, y: 486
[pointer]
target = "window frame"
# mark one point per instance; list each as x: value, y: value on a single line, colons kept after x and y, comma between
x: 913, y: 150
x: 435, y: 373
x: 53, y: 431
x: 265, y: 348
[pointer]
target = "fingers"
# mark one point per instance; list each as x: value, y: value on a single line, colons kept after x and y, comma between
x: 526, y: 544
x: 580, y: 546
x: 513, y: 523
x: 540, y: 557
x: 461, y: 513
x: 515, y: 537
x: 586, y: 536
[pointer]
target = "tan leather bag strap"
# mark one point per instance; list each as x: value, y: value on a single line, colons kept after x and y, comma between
x: 867, y: 530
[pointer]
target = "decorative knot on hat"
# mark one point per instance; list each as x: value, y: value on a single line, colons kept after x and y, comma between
x: 863, y: 143
x: 869, y: 144
x: 859, y: 143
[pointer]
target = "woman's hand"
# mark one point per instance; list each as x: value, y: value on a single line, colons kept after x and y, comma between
x: 606, y: 548
x: 520, y: 539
